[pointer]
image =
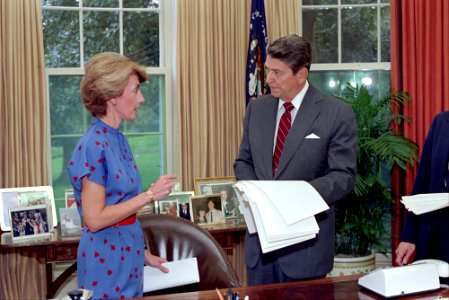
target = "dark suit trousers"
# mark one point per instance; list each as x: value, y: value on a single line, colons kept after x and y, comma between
x: 267, y: 270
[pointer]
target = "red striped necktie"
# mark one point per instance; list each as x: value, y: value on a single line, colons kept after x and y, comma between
x: 284, y: 127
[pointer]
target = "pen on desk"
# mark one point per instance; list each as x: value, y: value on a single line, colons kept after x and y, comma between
x: 219, y: 294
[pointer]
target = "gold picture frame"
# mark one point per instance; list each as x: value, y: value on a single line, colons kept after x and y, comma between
x: 207, y: 186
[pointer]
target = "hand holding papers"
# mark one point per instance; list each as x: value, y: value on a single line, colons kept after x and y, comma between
x: 181, y: 272
x: 282, y: 212
x: 424, y: 203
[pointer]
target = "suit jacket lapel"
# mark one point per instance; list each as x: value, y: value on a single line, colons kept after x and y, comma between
x: 303, y: 120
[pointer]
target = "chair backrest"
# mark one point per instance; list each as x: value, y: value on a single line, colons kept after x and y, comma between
x: 176, y: 238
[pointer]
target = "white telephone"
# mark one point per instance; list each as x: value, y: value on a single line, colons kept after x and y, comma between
x: 420, y: 276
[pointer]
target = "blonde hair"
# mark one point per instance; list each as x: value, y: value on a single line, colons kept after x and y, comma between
x: 105, y: 77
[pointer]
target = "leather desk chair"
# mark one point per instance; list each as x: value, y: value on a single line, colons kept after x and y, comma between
x: 175, y: 239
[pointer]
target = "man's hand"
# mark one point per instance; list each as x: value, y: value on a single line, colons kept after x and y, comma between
x: 405, y: 253
x: 155, y: 261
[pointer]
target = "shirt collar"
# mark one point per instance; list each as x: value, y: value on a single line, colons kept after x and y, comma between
x: 297, y: 100
x: 108, y: 127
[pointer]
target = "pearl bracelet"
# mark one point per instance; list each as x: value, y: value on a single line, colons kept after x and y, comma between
x: 150, y: 194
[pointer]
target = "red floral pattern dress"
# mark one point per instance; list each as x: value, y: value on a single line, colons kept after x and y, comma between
x: 110, y: 261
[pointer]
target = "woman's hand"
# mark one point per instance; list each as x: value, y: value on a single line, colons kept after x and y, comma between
x: 155, y: 261
x: 162, y: 186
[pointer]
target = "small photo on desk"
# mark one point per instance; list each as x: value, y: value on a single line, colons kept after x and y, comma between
x: 207, y: 209
x: 29, y: 222
x: 70, y: 221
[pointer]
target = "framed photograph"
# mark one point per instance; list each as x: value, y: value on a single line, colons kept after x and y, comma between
x: 183, y: 198
x: 177, y: 188
x: 70, y: 221
x: 168, y: 207
x: 183, y: 203
x: 207, y: 209
x: 223, y: 186
x: 207, y: 186
x: 6, y: 238
x: 148, y: 209
x: 69, y: 196
x: 29, y: 222
x: 26, y: 196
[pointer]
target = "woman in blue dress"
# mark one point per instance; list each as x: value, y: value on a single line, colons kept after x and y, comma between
x: 107, y: 183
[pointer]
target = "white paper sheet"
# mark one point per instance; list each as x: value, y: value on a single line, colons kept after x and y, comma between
x: 424, y: 203
x: 282, y: 211
x: 294, y: 200
x: 245, y: 209
x: 182, y: 272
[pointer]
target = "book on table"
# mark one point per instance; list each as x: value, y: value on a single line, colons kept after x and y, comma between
x: 281, y: 212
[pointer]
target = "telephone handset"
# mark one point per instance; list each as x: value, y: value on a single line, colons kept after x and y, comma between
x: 442, y: 266
x: 420, y: 276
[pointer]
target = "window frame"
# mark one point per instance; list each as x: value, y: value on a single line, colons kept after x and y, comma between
x: 359, y: 66
x: 167, y: 58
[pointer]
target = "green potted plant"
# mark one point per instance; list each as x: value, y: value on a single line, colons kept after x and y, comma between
x: 361, y: 217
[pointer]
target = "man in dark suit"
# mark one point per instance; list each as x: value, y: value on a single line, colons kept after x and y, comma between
x: 320, y: 148
x: 427, y: 235
x: 184, y: 211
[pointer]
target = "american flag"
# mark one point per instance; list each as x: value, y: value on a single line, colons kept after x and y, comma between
x: 257, y: 50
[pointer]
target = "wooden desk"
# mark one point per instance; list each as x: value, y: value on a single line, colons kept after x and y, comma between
x: 26, y: 266
x: 344, y: 288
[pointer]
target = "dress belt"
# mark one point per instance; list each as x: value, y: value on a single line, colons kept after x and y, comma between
x: 127, y: 221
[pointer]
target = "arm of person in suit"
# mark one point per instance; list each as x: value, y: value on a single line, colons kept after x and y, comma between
x: 244, y: 165
x: 339, y: 179
x: 407, y: 248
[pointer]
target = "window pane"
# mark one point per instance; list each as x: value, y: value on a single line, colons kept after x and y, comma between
x: 60, y: 3
x: 67, y: 114
x: 141, y: 3
x: 141, y: 42
x: 385, y: 34
x: 61, y: 151
x: 376, y: 81
x: 149, y: 116
x: 326, y: 81
x: 320, y: 28
x: 100, y: 3
x: 61, y: 38
x: 359, y: 34
x: 334, y: 82
x: 148, y: 155
x: 358, y: 1
x: 318, y: 2
x: 101, y: 33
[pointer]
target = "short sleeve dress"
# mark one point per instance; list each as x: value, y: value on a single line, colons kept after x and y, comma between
x: 110, y: 261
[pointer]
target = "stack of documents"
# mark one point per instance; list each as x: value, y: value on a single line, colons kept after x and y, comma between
x: 181, y: 272
x: 281, y: 212
x: 423, y: 203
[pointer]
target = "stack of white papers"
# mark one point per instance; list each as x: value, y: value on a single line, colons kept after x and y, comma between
x: 281, y: 212
x: 423, y: 203
x: 182, y: 272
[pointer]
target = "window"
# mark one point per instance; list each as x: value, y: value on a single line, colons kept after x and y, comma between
x: 350, y: 43
x: 74, y: 31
